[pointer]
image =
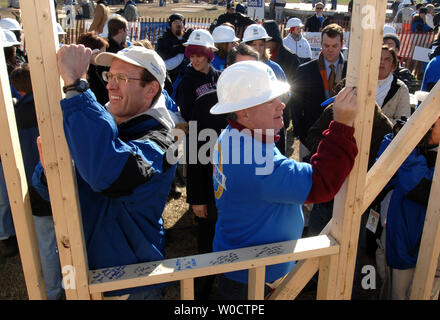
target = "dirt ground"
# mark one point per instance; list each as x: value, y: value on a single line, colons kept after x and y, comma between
x: 178, y: 219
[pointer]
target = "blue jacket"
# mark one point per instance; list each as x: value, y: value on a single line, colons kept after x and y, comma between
x: 407, y: 208
x: 123, y: 182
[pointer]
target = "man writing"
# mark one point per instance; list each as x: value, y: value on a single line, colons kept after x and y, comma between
x: 255, y: 205
x: 123, y: 176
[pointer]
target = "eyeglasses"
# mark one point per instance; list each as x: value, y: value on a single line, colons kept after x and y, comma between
x: 107, y: 76
x: 319, y: 8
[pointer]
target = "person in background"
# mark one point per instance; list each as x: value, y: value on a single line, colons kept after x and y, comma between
x: 242, y: 52
x: 393, y: 41
x: 117, y: 33
x: 100, y: 17
x: 318, y: 21
x: 405, y: 217
x: 224, y: 40
x: 279, y: 10
x: 170, y: 47
x: 296, y: 42
x: 392, y: 94
x: 432, y: 72
x: 256, y: 36
x: 130, y: 11
x: 314, y: 83
x: 196, y: 94
x: 418, y: 22
x: 94, y: 73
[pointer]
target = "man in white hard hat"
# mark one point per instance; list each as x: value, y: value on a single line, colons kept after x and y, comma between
x: 258, y: 191
x: 296, y: 42
x: 120, y: 156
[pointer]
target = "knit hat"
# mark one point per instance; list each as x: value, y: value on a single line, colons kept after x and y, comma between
x: 175, y: 16
x: 199, y: 50
x: 393, y: 37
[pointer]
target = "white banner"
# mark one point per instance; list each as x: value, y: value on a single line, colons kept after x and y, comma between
x: 255, y: 9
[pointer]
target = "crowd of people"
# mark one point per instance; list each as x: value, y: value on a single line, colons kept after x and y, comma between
x: 127, y: 102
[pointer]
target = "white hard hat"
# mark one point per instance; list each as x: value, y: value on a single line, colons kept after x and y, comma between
x: 389, y: 29
x: 9, y: 39
x: 223, y: 34
x: 201, y: 38
x: 247, y: 84
x: 10, y: 24
x: 60, y: 29
x: 294, y: 22
x: 255, y: 32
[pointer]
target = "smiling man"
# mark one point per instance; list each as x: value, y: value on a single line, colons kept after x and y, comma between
x: 123, y: 176
x: 255, y: 205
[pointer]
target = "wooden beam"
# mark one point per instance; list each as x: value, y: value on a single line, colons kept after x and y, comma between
x: 129, y: 276
x: 402, y: 145
x: 256, y: 283
x: 367, y: 23
x: 41, y: 44
x: 187, y: 289
x: 16, y: 183
x: 292, y: 284
x: 428, y: 258
x: 327, y: 277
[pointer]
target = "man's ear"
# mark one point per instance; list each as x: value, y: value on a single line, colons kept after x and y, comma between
x: 152, y: 88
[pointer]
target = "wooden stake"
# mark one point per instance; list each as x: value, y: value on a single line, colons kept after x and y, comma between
x: 38, y: 20
x: 256, y: 283
x: 365, y: 48
x: 16, y: 183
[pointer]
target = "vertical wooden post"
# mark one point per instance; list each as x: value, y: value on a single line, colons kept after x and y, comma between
x: 365, y: 48
x: 42, y: 44
x: 428, y: 258
x: 187, y: 289
x: 327, y: 277
x: 256, y: 281
x: 16, y: 183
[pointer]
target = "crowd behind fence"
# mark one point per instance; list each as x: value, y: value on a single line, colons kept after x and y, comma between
x: 153, y: 28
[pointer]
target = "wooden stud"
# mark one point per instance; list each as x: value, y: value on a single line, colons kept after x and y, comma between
x: 17, y: 187
x: 177, y: 269
x: 362, y: 73
x: 327, y: 277
x: 187, y: 289
x: 256, y: 283
x: 38, y: 19
x: 402, y: 145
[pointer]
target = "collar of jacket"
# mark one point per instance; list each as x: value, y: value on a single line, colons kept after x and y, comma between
x: 240, y: 127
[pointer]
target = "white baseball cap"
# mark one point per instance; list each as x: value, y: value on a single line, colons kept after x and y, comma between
x: 10, y: 24
x: 255, y: 32
x: 201, y: 37
x: 60, y: 29
x: 8, y: 39
x: 224, y: 34
x: 247, y: 84
x: 137, y: 56
x: 294, y: 22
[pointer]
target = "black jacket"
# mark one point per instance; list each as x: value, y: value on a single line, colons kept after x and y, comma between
x: 308, y: 94
x: 314, y: 25
x: 288, y: 60
x: 196, y: 94
x: 168, y: 46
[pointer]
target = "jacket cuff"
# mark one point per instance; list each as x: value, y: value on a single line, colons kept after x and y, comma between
x: 341, y: 129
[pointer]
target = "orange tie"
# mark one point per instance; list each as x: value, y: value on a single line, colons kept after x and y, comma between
x: 331, y: 80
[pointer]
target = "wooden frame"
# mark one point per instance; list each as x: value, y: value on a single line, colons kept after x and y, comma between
x: 333, y: 253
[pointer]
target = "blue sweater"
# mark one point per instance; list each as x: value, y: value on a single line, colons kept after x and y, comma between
x: 258, y: 196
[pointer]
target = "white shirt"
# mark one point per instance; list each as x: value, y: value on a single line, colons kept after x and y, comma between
x: 301, y: 47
